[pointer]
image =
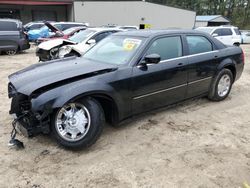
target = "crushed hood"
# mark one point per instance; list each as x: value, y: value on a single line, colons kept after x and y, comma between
x: 47, y: 45
x: 40, y: 75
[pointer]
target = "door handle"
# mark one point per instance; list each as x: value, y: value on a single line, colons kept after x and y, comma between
x: 180, y: 64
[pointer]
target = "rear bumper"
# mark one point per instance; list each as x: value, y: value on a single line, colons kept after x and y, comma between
x: 239, y: 70
x: 24, y: 44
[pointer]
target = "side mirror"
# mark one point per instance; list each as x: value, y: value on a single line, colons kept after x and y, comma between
x: 215, y: 35
x: 152, y: 59
x: 91, y: 42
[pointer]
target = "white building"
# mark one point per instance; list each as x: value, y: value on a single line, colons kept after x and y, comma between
x: 99, y: 13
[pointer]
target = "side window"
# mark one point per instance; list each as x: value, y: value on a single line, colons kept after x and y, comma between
x: 237, y: 32
x: 67, y: 26
x: 218, y: 32
x: 226, y: 32
x: 59, y: 26
x: 8, y: 26
x: 167, y: 47
x: 36, y: 26
x: 198, y: 44
x: 101, y: 36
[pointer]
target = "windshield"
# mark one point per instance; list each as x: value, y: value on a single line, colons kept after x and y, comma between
x: 206, y: 30
x: 114, y: 49
x: 81, y: 36
x: 70, y: 30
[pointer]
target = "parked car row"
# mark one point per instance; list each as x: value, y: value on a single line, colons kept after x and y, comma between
x: 15, y: 37
x: 76, y: 45
x: 51, y: 29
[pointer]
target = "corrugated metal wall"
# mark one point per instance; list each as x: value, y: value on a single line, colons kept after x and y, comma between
x: 133, y: 13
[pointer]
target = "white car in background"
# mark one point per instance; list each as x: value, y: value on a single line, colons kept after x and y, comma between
x: 245, y: 36
x: 76, y: 45
x: 228, y: 35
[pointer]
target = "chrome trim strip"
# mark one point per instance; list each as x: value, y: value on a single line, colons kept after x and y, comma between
x: 182, y: 57
x: 203, y: 79
x: 171, y: 88
x: 160, y: 91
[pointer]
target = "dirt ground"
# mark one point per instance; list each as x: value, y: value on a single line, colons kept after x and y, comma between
x: 195, y: 144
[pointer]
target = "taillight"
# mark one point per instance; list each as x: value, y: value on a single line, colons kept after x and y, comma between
x: 243, y: 56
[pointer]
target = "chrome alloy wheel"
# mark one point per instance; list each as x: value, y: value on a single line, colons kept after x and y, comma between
x: 73, y: 122
x: 224, y: 85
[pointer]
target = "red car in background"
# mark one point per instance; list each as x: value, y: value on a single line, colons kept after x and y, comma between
x: 58, y: 34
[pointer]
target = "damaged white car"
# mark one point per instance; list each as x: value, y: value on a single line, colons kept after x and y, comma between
x: 76, y: 45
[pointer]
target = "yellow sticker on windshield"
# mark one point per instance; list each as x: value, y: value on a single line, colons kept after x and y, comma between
x: 130, y: 44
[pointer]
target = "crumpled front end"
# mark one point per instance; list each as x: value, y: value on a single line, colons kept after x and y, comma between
x: 30, y: 123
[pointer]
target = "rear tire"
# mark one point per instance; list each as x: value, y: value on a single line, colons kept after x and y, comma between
x: 11, y: 52
x: 221, y: 85
x: 83, y: 125
x: 236, y: 44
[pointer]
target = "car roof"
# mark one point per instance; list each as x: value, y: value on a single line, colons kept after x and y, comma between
x: 97, y: 29
x: 216, y: 27
x: 10, y: 20
x: 69, y: 23
x: 152, y: 33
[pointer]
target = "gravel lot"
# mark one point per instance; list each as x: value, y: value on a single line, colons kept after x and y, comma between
x: 194, y: 144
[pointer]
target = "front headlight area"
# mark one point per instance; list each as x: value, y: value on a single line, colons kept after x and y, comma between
x: 64, y: 51
x: 11, y: 90
x: 54, y: 53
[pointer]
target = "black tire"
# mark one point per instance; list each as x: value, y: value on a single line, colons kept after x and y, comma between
x: 11, y: 52
x: 72, y: 54
x: 213, y: 93
x: 96, y: 126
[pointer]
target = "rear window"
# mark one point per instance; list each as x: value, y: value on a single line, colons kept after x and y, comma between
x: 226, y: 32
x: 237, y: 31
x: 198, y: 44
x: 8, y: 26
x: 223, y: 32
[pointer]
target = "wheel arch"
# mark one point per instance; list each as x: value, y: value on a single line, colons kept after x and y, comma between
x: 227, y: 64
x: 107, y: 102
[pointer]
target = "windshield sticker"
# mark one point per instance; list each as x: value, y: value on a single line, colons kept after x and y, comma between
x: 131, y: 44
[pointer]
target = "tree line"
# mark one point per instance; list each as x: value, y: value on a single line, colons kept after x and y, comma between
x: 237, y: 11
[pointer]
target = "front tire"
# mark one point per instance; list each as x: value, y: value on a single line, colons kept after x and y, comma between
x: 78, y: 124
x: 221, y: 85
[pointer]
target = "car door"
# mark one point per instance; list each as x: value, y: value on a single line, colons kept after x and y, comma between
x: 202, y: 60
x: 156, y: 85
x: 9, y: 35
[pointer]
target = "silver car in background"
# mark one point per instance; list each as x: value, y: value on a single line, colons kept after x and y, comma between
x: 245, y: 34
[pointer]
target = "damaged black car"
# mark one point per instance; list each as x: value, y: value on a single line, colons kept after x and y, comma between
x: 125, y: 74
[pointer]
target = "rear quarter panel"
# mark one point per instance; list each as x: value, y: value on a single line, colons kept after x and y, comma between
x: 232, y: 55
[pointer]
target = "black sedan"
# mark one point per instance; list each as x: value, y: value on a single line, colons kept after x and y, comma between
x: 125, y: 74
